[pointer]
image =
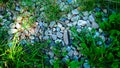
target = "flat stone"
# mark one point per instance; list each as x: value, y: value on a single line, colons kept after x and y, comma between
x: 75, y: 11
x: 52, y: 24
x: 65, y: 37
x: 59, y: 34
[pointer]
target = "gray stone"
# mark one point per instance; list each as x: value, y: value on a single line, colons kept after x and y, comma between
x: 59, y: 34
x: 54, y: 37
x: 52, y: 24
x: 75, y: 18
x: 75, y: 11
x: 51, y: 54
x: 68, y: 48
x: 86, y: 13
x: 74, y: 23
x: 79, y: 30
x: 69, y: 25
x: 65, y: 37
x: 69, y: 16
x: 70, y: 53
x: 91, y: 18
x: 58, y: 29
x: 46, y: 37
x: 85, y: 18
x: 95, y: 25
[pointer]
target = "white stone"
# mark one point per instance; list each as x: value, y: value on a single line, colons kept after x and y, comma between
x: 12, y: 31
x: 79, y: 30
x: 32, y: 37
x: 69, y: 25
x: 18, y: 25
x: 81, y: 23
x: 75, y: 11
x: 46, y: 37
x: 59, y: 25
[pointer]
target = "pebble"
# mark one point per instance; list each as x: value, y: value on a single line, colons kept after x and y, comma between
x: 69, y: 15
x: 75, y: 18
x: 59, y: 25
x: 58, y: 29
x: 95, y: 25
x: 78, y: 30
x: 46, y: 37
x: 32, y: 37
x: 86, y: 13
x: 70, y: 53
x: 51, y: 54
x: 68, y: 48
x: 12, y: 31
x: 75, y: 11
x: 12, y: 25
x: 52, y: 24
x: 18, y: 25
x: 91, y: 18
x: 65, y: 37
x: 81, y: 23
x: 69, y: 25
x: 86, y: 65
x: 54, y: 37
x: 59, y: 34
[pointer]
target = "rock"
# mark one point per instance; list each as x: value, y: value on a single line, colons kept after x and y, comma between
x: 85, y: 18
x: 89, y: 28
x: 63, y: 19
x: 62, y: 4
x: 62, y: 28
x: 95, y: 25
x: 86, y: 65
x: 54, y: 37
x: 69, y: 16
x: 86, y: 13
x: 51, y: 61
x: 78, y: 30
x: 75, y: 18
x: 59, y: 25
x: 76, y: 53
x: 18, y: 25
x: 91, y: 18
x: 58, y: 41
x: 1, y: 16
x: 76, y: 58
x: 19, y: 19
x: 75, y: 11
x: 12, y: 25
x: 12, y: 31
x: 69, y: 1
x: 53, y: 29
x: 99, y: 43
x: 70, y: 53
x: 69, y: 25
x: 32, y: 37
x: 58, y: 29
x: 59, y: 34
x: 82, y: 23
x: 100, y: 30
x: 46, y: 37
x: 74, y: 23
x: 66, y: 37
x: 105, y: 11
x: 52, y: 24
x: 17, y: 8
x: 51, y: 54
x: 68, y: 48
